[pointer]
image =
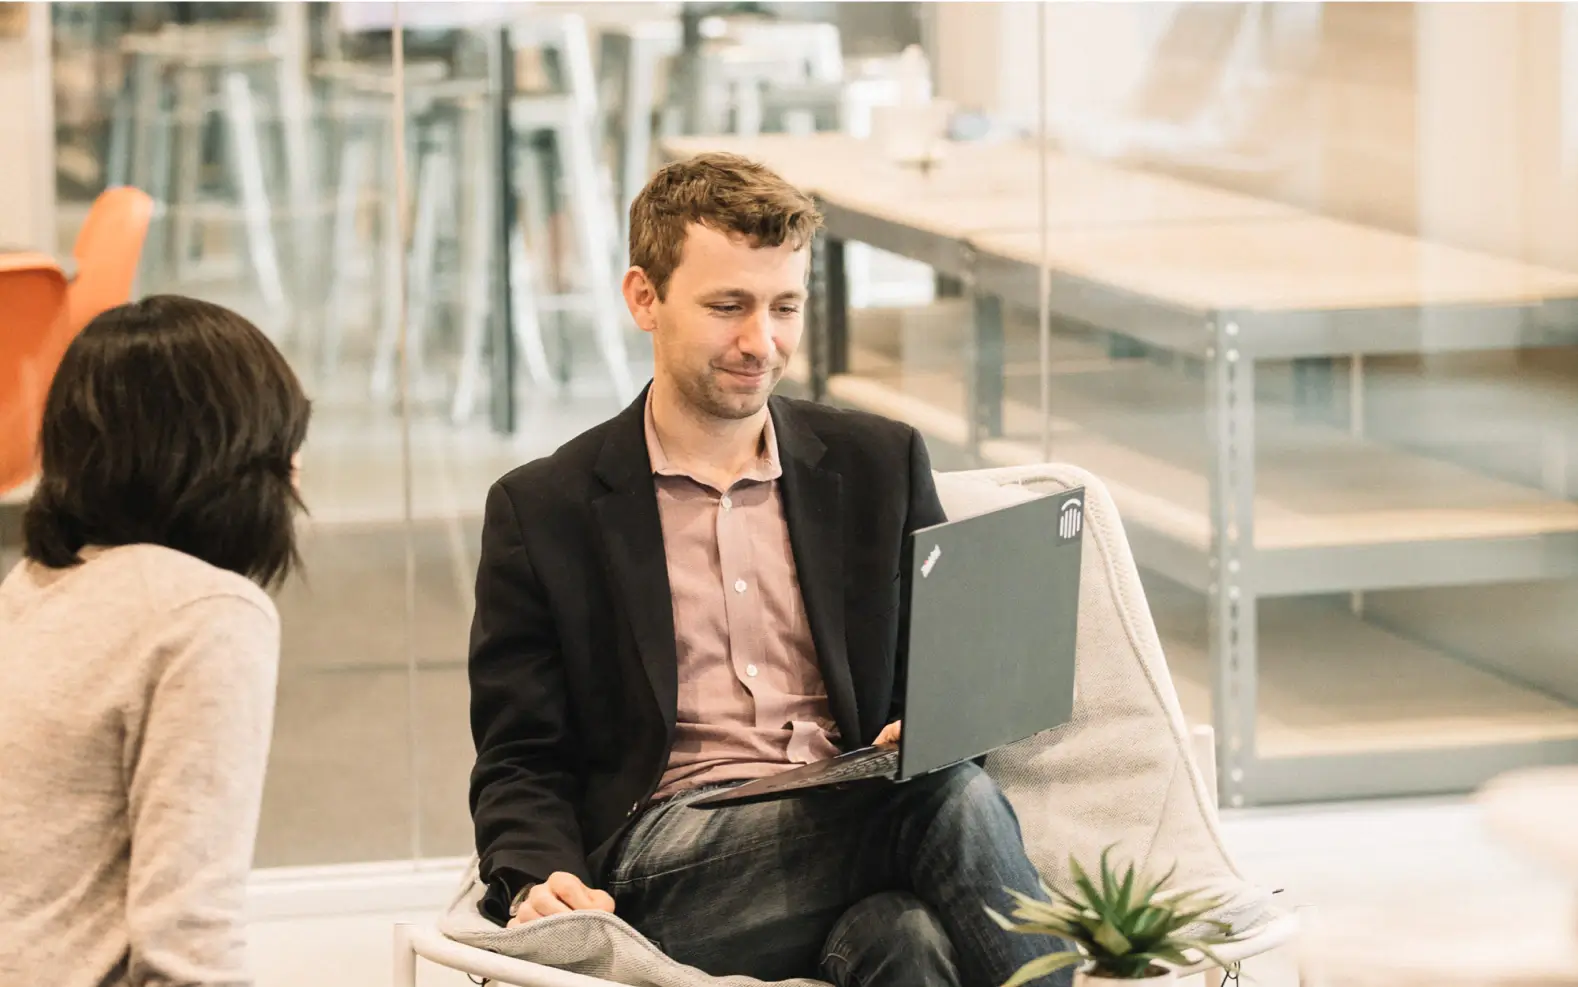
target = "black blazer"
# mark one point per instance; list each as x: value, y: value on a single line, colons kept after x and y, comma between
x: 573, y: 663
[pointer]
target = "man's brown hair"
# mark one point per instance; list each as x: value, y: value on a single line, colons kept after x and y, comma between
x: 726, y: 192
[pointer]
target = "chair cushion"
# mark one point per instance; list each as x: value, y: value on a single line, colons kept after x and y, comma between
x: 1120, y: 772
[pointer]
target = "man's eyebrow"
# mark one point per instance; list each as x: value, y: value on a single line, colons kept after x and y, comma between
x: 741, y: 294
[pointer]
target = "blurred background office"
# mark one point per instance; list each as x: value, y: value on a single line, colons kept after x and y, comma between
x: 1299, y: 281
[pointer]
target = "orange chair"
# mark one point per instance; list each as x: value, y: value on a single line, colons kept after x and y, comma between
x: 107, y: 253
x: 33, y: 317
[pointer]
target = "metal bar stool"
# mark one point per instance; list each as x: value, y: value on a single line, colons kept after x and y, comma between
x: 630, y: 57
x: 568, y: 118
x: 183, y: 80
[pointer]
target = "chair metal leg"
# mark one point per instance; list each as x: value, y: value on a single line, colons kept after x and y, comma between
x: 247, y: 160
x: 404, y: 957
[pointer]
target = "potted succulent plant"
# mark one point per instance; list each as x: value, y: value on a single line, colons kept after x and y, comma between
x: 1121, y: 928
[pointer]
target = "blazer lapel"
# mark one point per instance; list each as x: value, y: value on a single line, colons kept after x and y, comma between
x: 814, y: 510
x: 632, y: 537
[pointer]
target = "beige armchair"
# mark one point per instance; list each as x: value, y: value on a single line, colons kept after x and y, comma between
x: 1126, y: 769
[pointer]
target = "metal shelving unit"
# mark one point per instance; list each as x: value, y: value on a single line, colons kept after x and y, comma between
x: 1225, y: 284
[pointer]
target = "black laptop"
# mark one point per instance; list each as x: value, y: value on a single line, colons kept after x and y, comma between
x: 993, y: 601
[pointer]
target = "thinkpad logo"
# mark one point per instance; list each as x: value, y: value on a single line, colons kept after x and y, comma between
x: 1071, y: 518
x: 931, y: 560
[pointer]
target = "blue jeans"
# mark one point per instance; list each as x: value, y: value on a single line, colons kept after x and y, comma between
x: 872, y: 886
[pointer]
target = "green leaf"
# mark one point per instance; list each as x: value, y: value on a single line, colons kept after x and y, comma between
x: 1169, y: 954
x: 1150, y: 892
x: 1043, y: 966
x: 1112, y: 940
x: 1125, y: 890
x: 1082, y: 881
x: 1109, y: 886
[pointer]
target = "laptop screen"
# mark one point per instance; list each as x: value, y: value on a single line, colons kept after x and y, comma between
x: 993, y: 603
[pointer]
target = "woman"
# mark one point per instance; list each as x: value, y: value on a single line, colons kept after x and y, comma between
x: 138, y: 653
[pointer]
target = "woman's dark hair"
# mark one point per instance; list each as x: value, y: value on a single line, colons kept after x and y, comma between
x: 173, y: 422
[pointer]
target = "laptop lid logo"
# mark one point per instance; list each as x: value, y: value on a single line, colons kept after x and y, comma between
x: 1071, y: 517
x: 931, y: 560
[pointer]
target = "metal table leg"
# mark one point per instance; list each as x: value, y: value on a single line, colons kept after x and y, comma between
x: 501, y: 390
x: 827, y: 323
x: 1232, y: 602
x: 986, y: 371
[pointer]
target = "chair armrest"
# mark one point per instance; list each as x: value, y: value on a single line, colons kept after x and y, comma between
x: 411, y: 941
x: 1278, y: 932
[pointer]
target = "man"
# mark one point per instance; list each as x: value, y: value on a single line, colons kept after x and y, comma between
x: 704, y: 590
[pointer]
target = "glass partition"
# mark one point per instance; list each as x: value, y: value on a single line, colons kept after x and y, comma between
x: 1298, y: 282
x: 1258, y: 268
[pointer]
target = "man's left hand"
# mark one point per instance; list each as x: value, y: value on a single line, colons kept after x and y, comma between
x: 890, y: 733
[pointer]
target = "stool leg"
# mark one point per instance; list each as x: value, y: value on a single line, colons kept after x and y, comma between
x: 592, y: 240
x: 747, y: 107
x: 355, y: 156
x: 640, y: 103
x: 117, y: 164
x: 389, y: 285
x: 525, y: 274
x: 187, y: 122
x: 246, y: 159
x: 295, y: 109
x: 524, y: 282
x: 436, y: 175
x: 590, y: 209
x: 476, y: 237
x: 150, y: 164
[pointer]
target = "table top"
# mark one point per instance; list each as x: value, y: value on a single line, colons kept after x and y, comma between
x: 1188, y: 245
x: 979, y: 187
x: 1305, y: 263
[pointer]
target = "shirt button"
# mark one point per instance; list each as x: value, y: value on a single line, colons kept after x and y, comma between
x: 726, y: 502
x: 750, y: 670
x: 739, y: 586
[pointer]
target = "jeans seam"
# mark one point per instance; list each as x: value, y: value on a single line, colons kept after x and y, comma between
x: 752, y: 848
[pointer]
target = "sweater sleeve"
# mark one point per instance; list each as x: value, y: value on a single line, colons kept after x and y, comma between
x: 195, y: 789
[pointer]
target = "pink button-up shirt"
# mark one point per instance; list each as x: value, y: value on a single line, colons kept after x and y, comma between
x: 751, y: 697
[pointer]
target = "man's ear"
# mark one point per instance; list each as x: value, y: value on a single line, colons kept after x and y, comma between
x: 640, y: 297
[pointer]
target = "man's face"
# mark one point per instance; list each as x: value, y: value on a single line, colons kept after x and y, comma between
x: 732, y: 317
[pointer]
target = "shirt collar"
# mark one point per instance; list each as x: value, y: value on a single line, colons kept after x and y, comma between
x: 766, y: 467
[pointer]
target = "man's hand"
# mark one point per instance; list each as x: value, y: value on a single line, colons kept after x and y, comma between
x: 890, y: 733
x: 561, y: 892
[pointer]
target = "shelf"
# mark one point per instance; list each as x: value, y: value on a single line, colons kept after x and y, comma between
x: 1318, y: 491
x: 1330, y: 683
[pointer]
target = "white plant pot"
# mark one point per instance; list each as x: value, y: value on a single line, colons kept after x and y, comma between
x: 1084, y: 978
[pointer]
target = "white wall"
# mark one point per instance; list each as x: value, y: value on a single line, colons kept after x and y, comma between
x: 27, y: 146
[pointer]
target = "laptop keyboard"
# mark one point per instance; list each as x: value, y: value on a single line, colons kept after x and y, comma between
x: 877, y: 764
